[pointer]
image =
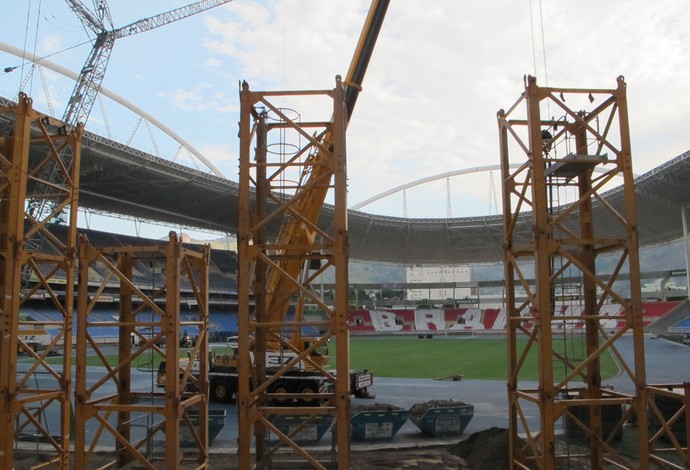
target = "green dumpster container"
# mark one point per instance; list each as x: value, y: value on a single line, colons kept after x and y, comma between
x: 377, y: 425
x: 216, y: 422
x: 307, y: 429
x: 668, y: 406
x: 443, y: 421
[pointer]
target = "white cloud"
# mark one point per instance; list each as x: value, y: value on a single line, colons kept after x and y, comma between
x: 439, y: 73
x: 202, y: 97
x: 189, y: 100
x: 222, y: 155
x: 212, y: 63
x: 52, y: 44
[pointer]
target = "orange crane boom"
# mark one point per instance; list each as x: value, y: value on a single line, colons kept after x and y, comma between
x: 299, y: 229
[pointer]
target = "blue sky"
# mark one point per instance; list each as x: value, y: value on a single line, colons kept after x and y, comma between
x: 440, y: 72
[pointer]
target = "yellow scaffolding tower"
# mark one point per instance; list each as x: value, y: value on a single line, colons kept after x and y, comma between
x: 556, y: 181
x: 295, y: 165
x: 39, y: 162
x: 148, y: 427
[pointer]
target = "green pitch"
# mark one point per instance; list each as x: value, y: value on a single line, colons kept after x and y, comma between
x: 471, y: 357
x: 411, y: 357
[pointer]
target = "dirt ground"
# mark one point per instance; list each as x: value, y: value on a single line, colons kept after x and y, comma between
x: 439, y: 458
x: 485, y: 450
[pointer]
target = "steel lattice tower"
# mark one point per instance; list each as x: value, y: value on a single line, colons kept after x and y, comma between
x: 556, y: 182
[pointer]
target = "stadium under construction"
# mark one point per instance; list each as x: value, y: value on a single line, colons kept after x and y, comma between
x: 83, y: 311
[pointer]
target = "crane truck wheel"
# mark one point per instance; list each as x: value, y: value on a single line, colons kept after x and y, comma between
x: 25, y: 349
x: 307, y: 401
x: 221, y: 392
x: 281, y: 388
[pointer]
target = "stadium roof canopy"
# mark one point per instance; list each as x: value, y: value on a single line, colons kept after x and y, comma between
x: 122, y: 180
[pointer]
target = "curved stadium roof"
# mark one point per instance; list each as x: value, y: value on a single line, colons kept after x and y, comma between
x: 122, y: 180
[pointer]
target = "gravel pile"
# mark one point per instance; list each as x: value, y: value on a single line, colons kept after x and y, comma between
x: 418, y: 409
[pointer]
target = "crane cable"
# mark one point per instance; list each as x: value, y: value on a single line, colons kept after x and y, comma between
x: 29, y: 75
x: 543, y: 47
x: 29, y: 78
x: 26, y: 39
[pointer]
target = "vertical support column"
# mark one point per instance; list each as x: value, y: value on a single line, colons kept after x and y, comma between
x: 69, y: 266
x: 686, y: 404
x: 70, y: 252
x: 263, y: 193
x: 686, y: 244
x: 124, y: 382
x: 246, y: 252
x: 171, y: 331
x: 202, y: 268
x: 341, y: 250
x: 587, y: 257
x: 544, y: 248
x: 632, y: 246
x: 82, y: 411
x: 509, y: 291
x: 13, y: 179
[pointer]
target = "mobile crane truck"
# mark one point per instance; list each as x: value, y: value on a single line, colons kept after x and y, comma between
x: 223, y: 375
x: 280, y: 275
x: 292, y: 254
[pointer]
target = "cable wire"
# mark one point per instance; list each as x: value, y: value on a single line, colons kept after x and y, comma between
x: 38, y: 59
x: 26, y: 36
